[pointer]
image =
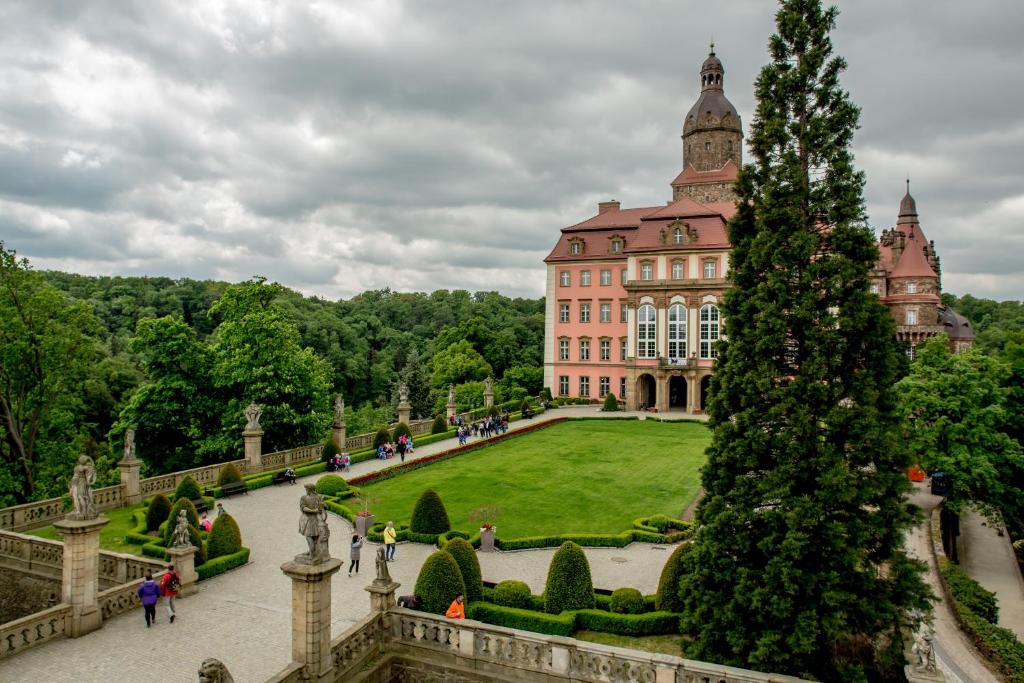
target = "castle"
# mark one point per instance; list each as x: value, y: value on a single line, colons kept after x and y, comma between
x: 632, y: 295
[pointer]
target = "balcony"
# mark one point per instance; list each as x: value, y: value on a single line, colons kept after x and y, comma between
x: 677, y: 363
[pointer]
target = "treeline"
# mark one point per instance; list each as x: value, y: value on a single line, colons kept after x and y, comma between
x: 992, y: 320
x: 84, y: 358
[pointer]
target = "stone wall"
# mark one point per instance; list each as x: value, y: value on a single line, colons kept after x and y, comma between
x: 710, y: 144
x: 705, y: 192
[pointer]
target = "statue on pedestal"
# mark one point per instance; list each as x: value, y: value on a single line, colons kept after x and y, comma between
x: 80, y: 489
x: 403, y: 393
x: 181, y: 537
x: 923, y: 650
x: 451, y: 394
x: 339, y: 411
x: 313, y: 525
x: 489, y: 385
x: 383, y: 575
x: 129, y: 445
x: 252, y: 416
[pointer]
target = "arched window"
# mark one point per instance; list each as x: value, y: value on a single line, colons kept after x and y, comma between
x: 677, y: 332
x: 677, y: 270
x: 709, y: 330
x: 646, y: 331
x: 677, y: 236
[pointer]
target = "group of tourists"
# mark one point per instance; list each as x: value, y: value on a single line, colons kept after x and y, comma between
x: 150, y: 592
x: 341, y: 462
x: 402, y: 445
x: 489, y: 426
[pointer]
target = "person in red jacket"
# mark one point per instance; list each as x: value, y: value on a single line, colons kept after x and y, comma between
x: 456, y: 610
x: 169, y: 587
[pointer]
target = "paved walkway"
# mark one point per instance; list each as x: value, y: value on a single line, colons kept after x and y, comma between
x: 244, y: 617
x: 988, y: 558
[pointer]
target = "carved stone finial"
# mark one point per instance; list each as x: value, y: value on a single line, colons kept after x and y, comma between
x: 339, y: 411
x: 383, y: 575
x: 129, y: 445
x: 252, y: 416
x: 213, y: 671
x: 181, y: 537
x: 80, y: 488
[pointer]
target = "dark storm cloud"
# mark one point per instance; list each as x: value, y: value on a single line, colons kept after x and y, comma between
x: 340, y: 146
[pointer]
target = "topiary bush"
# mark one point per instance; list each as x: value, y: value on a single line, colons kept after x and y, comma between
x: 545, y: 394
x: 429, y: 515
x: 511, y: 593
x: 668, y: 598
x: 401, y: 428
x: 331, y: 485
x: 569, y: 586
x: 172, y: 519
x: 440, y: 580
x: 469, y: 567
x: 381, y: 437
x: 158, y: 512
x: 611, y: 404
x: 228, y: 474
x: 524, y: 406
x: 627, y: 601
x: 225, y: 537
x: 440, y: 425
x: 188, y: 488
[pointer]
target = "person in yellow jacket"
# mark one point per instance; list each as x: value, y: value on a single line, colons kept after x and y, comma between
x: 456, y: 610
x: 390, y: 537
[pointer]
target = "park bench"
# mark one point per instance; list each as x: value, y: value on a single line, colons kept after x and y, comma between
x: 231, y: 488
x: 281, y: 477
x: 200, y: 505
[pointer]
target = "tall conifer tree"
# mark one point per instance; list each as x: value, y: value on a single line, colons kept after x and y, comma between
x: 800, y: 553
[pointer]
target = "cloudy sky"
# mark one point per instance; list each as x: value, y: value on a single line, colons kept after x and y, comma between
x: 341, y: 146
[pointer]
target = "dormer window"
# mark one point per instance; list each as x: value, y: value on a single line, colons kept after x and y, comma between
x: 677, y: 236
x: 575, y: 248
x: 616, y: 243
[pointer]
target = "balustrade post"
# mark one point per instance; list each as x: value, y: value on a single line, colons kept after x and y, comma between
x: 129, y: 466
x: 311, y: 616
x: 252, y: 435
x: 184, y: 560
x: 81, y: 573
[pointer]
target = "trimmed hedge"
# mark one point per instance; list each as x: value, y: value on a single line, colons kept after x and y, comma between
x: 668, y: 597
x: 381, y: 437
x: 649, y: 624
x: 440, y: 425
x: 429, y: 515
x: 190, y: 513
x: 567, y: 623
x: 400, y: 428
x: 223, y: 563
x: 439, y: 582
x: 229, y: 474
x: 331, y: 485
x: 552, y: 624
x: 188, y: 488
x: 970, y: 593
x: 469, y: 566
x: 568, y: 586
x: 225, y: 537
x: 611, y: 404
x: 158, y: 511
x: 512, y: 593
x: 627, y: 601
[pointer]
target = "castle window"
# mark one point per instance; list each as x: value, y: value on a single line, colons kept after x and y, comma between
x: 707, y: 146
x: 874, y: 288
x: 709, y: 331
x: 584, y: 349
x: 602, y: 386
x: 646, y: 271
x: 584, y: 278
x: 575, y: 248
x: 563, y: 313
x: 622, y: 348
x: 646, y: 329
x: 709, y: 270
x: 606, y: 313
x: 622, y: 388
x: 677, y: 331
x: 912, y: 316
x: 623, y: 313
x: 677, y: 270
x: 624, y: 276
x: 677, y: 236
x: 606, y: 278
x: 584, y: 313
x: 911, y: 288
x: 606, y: 349
x: 565, y: 278
x: 563, y: 385
x: 563, y: 349
x: 615, y: 245
x: 584, y: 386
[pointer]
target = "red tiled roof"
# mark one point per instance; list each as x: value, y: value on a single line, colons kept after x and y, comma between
x: 681, y: 208
x: 623, y: 218
x: 691, y: 176
x: 913, y: 262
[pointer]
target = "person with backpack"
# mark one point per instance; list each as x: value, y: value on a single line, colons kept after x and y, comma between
x: 169, y: 587
x: 149, y: 593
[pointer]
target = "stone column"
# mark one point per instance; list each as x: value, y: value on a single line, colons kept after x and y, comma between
x: 81, y: 573
x: 184, y: 561
x: 338, y: 427
x: 253, y: 450
x: 130, y: 481
x: 311, y: 616
x: 404, y: 412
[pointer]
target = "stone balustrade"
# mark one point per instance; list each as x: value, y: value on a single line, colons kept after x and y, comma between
x: 45, y: 512
x: 124, y: 597
x: 35, y: 629
x: 204, y: 476
x: 45, y: 558
x: 361, y: 643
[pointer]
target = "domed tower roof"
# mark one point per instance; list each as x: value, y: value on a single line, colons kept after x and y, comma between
x: 908, y: 208
x: 712, y: 93
x: 957, y: 327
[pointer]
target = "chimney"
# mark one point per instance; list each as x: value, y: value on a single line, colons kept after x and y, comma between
x: 605, y: 207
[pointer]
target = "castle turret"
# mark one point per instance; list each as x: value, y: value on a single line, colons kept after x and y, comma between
x: 712, y: 134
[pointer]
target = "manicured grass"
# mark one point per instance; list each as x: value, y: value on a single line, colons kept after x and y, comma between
x: 111, y: 536
x: 665, y: 645
x: 593, y: 476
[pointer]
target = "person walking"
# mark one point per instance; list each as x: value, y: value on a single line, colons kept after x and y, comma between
x: 354, y: 552
x: 390, y: 538
x: 169, y: 587
x: 149, y: 593
x: 456, y: 610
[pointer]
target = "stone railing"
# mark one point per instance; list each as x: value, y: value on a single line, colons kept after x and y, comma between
x: 45, y: 512
x: 204, y: 476
x: 32, y: 555
x: 35, y: 629
x: 123, y: 597
x: 292, y: 456
x: 360, y: 644
x: 120, y: 568
x: 354, y: 443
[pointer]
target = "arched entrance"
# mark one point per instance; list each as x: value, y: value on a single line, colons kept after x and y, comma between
x: 677, y: 392
x: 705, y: 387
x: 646, y: 392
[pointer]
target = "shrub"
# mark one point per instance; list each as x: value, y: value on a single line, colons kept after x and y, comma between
x: 513, y: 593
x: 649, y: 624
x: 225, y: 537
x: 429, y: 515
x: 158, y: 512
x: 611, y: 403
x: 469, y: 566
x: 528, y: 620
x: 188, y: 488
x: 668, y: 597
x: 492, y: 411
x: 440, y: 425
x: 440, y: 580
x: 172, y: 519
x: 331, y: 485
x: 627, y: 601
x: 524, y: 406
x: 545, y: 394
x: 998, y: 644
x: 229, y: 474
x: 401, y: 428
x: 569, y: 586
x: 213, y: 567
x: 969, y: 592
x: 381, y: 437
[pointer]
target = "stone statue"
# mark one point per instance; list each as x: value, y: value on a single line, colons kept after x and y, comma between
x: 383, y: 575
x: 403, y: 393
x: 451, y: 394
x: 923, y: 651
x: 181, y: 537
x: 129, y: 445
x: 489, y: 385
x: 214, y: 671
x: 313, y: 525
x: 339, y: 411
x: 80, y: 489
x: 252, y: 416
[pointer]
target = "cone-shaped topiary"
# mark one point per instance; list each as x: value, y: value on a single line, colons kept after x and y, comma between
x: 188, y: 488
x: 668, y: 599
x: 469, y: 566
x: 331, y: 485
x: 545, y: 394
x: 569, y: 586
x: 440, y: 580
x: 172, y: 519
x: 627, y: 601
x: 611, y: 403
x: 225, y: 537
x: 401, y: 428
x: 381, y: 437
x: 511, y: 593
x: 158, y: 512
x: 440, y: 425
x: 228, y: 474
x: 525, y: 405
x: 429, y: 515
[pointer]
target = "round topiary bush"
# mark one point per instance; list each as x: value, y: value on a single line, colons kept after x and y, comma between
x: 331, y: 485
x: 627, y: 601
x: 228, y: 474
x: 439, y: 582
x: 158, y: 511
x: 381, y: 437
x: 188, y: 488
x: 225, y: 537
x: 440, y: 425
x: 172, y: 519
x: 569, y: 586
x: 668, y: 598
x: 469, y: 566
x: 611, y: 403
x: 512, y: 593
x: 429, y: 515
x: 401, y: 428
x: 525, y: 405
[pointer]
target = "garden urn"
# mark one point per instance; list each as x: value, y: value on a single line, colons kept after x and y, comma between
x: 363, y: 524
x: 487, y: 539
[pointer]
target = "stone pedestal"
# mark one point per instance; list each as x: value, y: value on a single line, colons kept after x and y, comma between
x: 130, y: 481
x: 80, y: 582
x: 311, y: 616
x: 450, y: 408
x: 363, y: 524
x: 184, y: 561
x: 488, y: 398
x: 382, y: 595
x: 253, y: 450
x: 338, y: 436
x: 404, y: 412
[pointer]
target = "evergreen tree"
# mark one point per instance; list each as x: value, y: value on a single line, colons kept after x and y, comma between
x: 799, y: 555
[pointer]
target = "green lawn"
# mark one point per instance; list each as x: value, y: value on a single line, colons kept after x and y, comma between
x: 111, y: 536
x: 666, y: 645
x: 593, y: 476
